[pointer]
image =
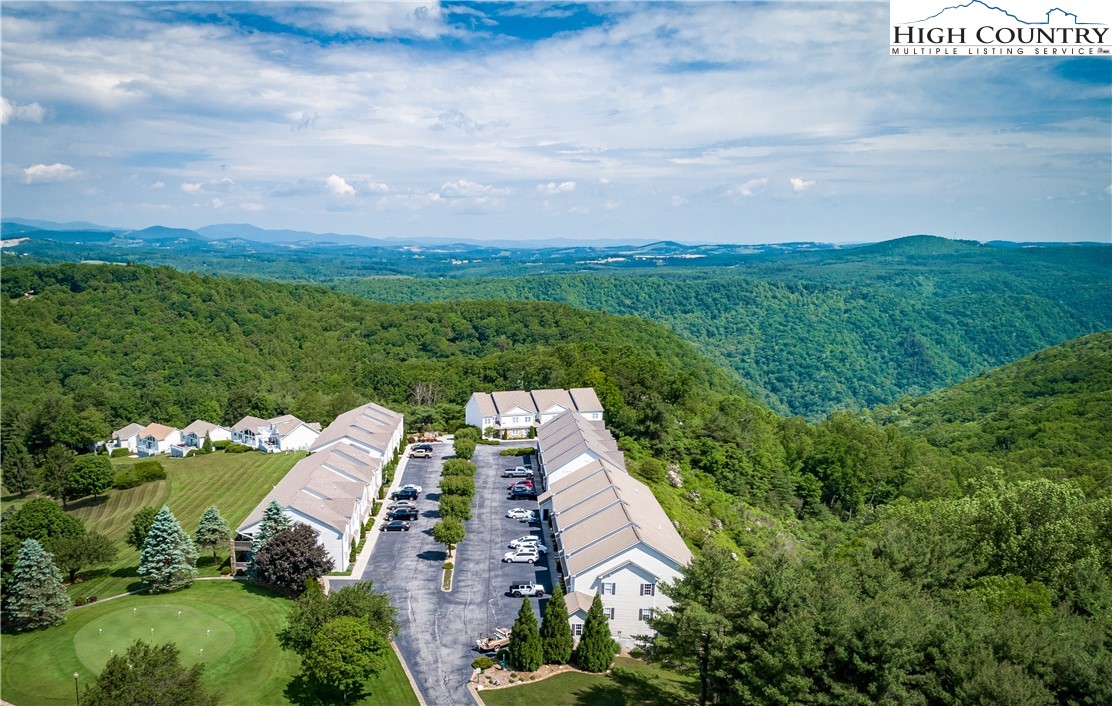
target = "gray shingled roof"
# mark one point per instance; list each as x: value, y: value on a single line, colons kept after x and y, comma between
x: 127, y: 432
x: 200, y: 427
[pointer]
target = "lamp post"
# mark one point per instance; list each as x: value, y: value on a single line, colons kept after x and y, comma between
x: 76, y: 693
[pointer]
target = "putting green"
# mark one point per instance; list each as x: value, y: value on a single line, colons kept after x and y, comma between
x: 199, y: 635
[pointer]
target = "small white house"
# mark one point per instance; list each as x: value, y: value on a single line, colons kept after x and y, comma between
x: 284, y: 433
x: 194, y: 434
x: 127, y: 438
x: 157, y: 439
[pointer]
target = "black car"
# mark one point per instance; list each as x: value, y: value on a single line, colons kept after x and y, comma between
x: 406, y: 494
x: 405, y: 513
x: 523, y: 494
x: 396, y: 526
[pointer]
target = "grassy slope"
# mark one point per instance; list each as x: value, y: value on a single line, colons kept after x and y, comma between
x: 631, y: 682
x: 38, y: 666
x: 235, y: 483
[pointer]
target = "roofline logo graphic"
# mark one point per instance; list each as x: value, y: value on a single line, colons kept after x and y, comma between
x: 1001, y: 28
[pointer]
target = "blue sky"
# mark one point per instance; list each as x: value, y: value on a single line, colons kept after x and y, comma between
x: 695, y: 121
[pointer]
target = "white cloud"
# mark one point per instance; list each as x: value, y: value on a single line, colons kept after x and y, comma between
x: 603, y: 181
x: 339, y: 187
x: 45, y: 173
x: 554, y: 188
x: 251, y: 206
x: 9, y: 111
x: 800, y: 185
x: 611, y: 205
x: 158, y: 185
x: 217, y: 203
x: 194, y: 188
x: 376, y: 186
x: 471, y: 189
x: 750, y: 187
x: 678, y: 200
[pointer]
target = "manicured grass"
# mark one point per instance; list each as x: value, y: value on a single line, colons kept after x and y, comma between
x: 235, y: 483
x: 234, y: 623
x: 631, y: 682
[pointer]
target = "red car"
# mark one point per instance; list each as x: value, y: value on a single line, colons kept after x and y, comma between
x: 521, y: 484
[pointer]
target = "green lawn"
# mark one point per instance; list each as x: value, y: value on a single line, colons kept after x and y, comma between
x: 630, y: 682
x: 235, y: 483
x: 229, y: 625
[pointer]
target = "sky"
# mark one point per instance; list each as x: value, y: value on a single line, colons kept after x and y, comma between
x: 695, y: 121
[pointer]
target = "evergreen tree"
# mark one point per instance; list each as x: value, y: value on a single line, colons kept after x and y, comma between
x: 54, y: 475
x: 206, y: 445
x: 274, y: 521
x: 596, y: 647
x: 213, y: 530
x: 168, y: 561
x: 149, y: 675
x: 37, y: 598
x: 525, y: 648
x: 18, y: 468
x: 556, y: 638
x: 141, y: 526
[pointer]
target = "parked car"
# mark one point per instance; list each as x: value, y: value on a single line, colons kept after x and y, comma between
x: 518, y: 513
x: 527, y: 588
x: 518, y: 472
x: 420, y: 452
x: 524, y: 539
x: 521, y: 556
x: 400, y: 504
x: 534, y: 517
x: 396, y: 526
x: 523, y: 494
x: 529, y: 547
x: 404, y: 513
x: 406, y: 494
x: 528, y: 483
x: 411, y: 486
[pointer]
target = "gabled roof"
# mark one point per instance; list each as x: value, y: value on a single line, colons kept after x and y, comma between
x: 286, y: 424
x: 485, y: 403
x: 511, y: 399
x: 199, y: 427
x: 586, y: 400
x: 370, y: 424
x: 127, y: 432
x: 252, y: 423
x: 578, y: 602
x: 546, y: 400
x: 158, y: 431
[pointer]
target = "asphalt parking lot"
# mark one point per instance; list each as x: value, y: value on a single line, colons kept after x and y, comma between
x: 437, y: 628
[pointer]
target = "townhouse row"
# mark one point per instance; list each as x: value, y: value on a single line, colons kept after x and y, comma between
x: 282, y: 433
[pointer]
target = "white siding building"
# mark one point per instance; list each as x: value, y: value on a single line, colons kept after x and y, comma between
x: 157, y: 439
x: 194, y: 434
x: 127, y: 438
x: 513, y: 413
x: 612, y: 538
x: 333, y: 490
x: 284, y: 433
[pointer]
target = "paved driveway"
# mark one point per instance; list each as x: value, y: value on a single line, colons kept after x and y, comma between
x: 437, y: 629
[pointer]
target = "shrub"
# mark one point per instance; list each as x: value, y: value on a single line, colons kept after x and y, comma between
x: 518, y: 451
x: 489, y: 442
x: 119, y: 453
x: 234, y: 448
x: 191, y: 453
x: 457, y: 485
x: 140, y: 473
x: 458, y: 467
x: 80, y: 602
x: 449, y: 565
x: 636, y: 653
x: 464, y: 448
x: 225, y: 571
x: 482, y: 663
x: 221, y: 445
x: 472, y: 433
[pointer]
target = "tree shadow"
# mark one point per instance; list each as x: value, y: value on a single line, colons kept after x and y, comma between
x: 433, y: 555
x: 301, y: 691
x: 90, y: 501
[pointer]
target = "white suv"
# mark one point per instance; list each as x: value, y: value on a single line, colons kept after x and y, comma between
x: 527, y: 555
x: 526, y: 589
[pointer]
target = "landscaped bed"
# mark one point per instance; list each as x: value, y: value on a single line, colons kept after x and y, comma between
x: 631, y: 682
x: 232, y: 622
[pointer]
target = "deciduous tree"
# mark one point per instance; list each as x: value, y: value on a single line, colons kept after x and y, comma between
x: 343, y: 655
x: 449, y: 532
x: 37, y: 598
x: 42, y: 519
x: 54, y: 474
x: 289, y: 558
x: 91, y: 475
x: 141, y: 526
x: 149, y: 675
x: 168, y: 561
x: 84, y: 551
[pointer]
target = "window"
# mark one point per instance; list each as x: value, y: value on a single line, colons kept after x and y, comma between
x: 645, y: 614
x: 648, y: 589
x: 609, y: 613
x: 607, y: 589
x: 577, y: 629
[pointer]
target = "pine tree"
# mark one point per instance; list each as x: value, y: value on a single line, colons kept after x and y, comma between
x: 213, y: 530
x: 18, y: 468
x: 596, y: 647
x: 168, y: 560
x: 206, y: 445
x: 274, y: 521
x: 37, y: 599
x: 525, y: 648
x: 555, y: 630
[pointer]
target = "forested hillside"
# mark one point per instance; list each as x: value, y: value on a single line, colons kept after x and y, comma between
x: 908, y: 563
x: 812, y: 333
x: 1047, y: 415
